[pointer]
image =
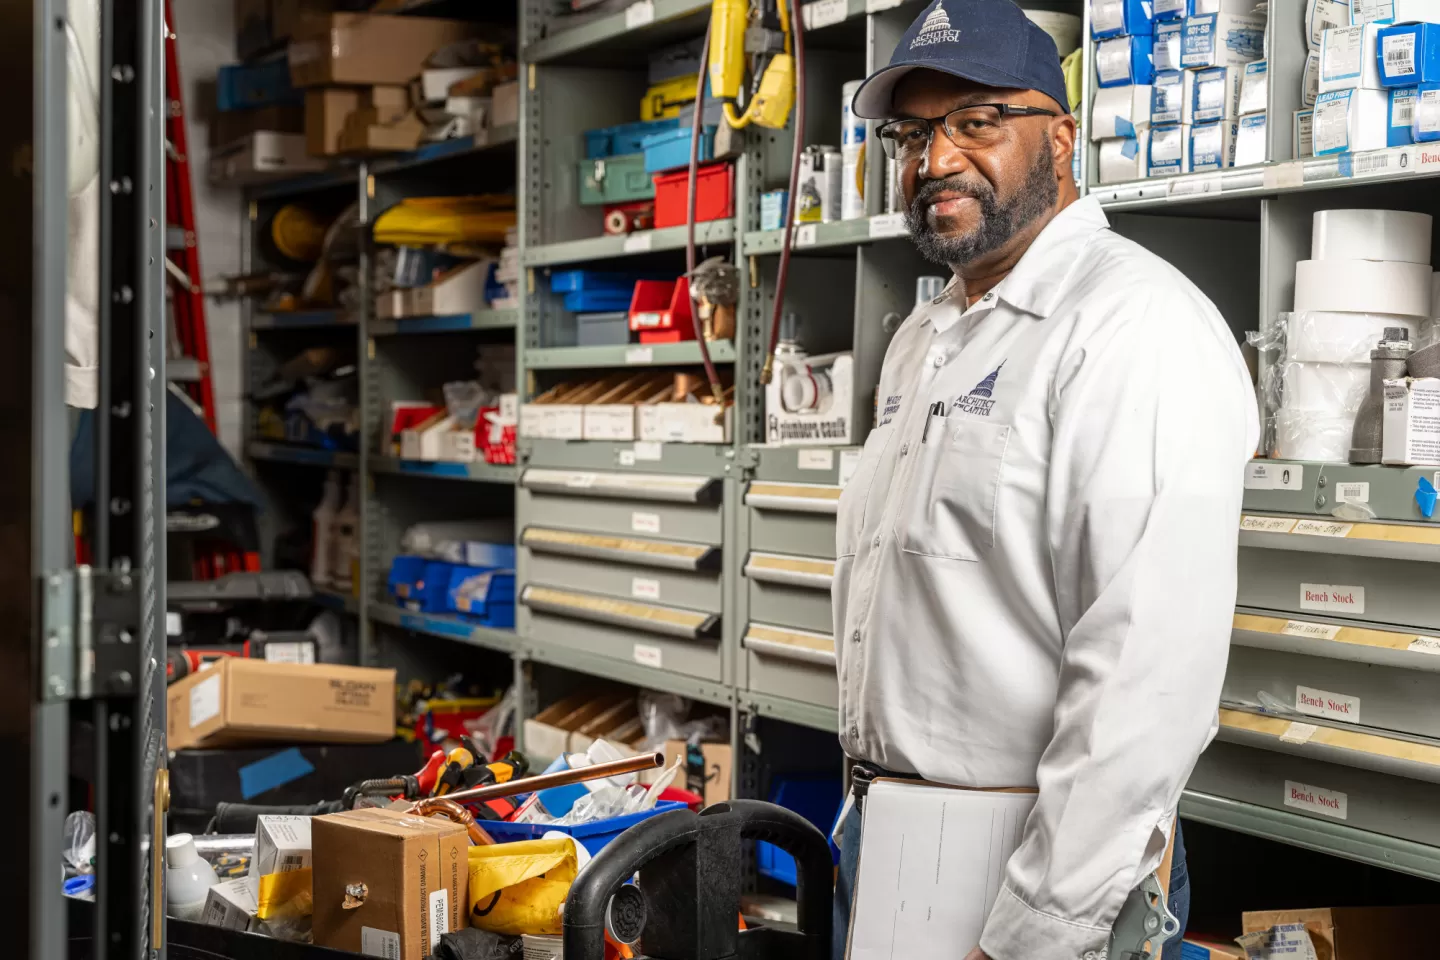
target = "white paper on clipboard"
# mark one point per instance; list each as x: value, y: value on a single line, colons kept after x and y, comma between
x: 932, y: 860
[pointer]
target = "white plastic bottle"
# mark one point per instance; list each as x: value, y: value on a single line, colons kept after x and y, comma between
x: 345, y: 541
x: 188, y: 878
x: 321, y: 550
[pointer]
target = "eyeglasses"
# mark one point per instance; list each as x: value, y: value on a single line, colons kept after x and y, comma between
x: 969, y: 128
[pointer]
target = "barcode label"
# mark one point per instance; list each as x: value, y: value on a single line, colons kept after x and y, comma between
x: 291, y: 861
x: 1398, y: 55
x: 375, y: 942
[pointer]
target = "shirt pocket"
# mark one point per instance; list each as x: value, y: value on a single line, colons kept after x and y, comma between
x: 950, y: 510
x: 850, y: 517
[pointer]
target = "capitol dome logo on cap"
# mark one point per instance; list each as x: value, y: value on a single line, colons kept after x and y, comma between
x: 935, y: 29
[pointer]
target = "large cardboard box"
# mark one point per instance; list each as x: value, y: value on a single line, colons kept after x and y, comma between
x: 326, y: 109
x: 239, y: 701
x: 1356, y: 933
x: 416, y: 875
x: 362, y: 48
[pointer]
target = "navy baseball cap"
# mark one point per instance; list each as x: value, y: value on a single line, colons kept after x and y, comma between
x: 990, y: 42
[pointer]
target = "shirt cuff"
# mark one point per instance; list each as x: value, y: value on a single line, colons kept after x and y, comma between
x: 1017, y: 931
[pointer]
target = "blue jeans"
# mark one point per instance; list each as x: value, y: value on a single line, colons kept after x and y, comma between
x: 1179, y: 900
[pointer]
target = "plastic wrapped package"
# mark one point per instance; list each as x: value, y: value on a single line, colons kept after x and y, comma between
x: 1323, y: 337
x: 79, y: 842
x: 1308, y: 435
x: 1311, y: 385
x: 1269, y: 346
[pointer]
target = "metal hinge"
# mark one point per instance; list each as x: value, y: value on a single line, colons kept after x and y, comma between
x: 90, y: 623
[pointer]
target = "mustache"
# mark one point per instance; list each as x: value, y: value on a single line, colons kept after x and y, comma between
x: 930, y: 189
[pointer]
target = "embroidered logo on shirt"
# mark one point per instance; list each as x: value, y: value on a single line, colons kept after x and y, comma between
x: 892, y: 407
x: 977, y: 401
x: 935, y: 29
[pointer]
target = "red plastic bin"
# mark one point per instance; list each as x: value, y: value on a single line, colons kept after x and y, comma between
x: 714, y: 195
x: 660, y: 311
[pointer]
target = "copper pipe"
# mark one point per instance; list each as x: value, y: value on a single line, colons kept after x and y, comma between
x: 445, y: 807
x: 597, y: 771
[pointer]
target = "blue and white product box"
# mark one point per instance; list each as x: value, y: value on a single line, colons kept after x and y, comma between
x: 1253, y: 94
x: 1167, y: 45
x: 1302, y: 133
x: 1222, y: 39
x: 1123, y: 158
x: 1169, y: 152
x: 1402, y: 115
x: 1172, y: 97
x: 1212, y: 146
x: 1410, y: 54
x: 1119, y: 111
x: 1347, y: 121
x: 1395, y: 11
x: 1322, y: 15
x: 1425, y: 125
x: 1199, y: 7
x: 772, y: 209
x: 1250, y: 140
x: 1348, y: 58
x: 1124, y: 60
x: 1216, y: 95
x: 1171, y: 10
x: 1113, y: 18
x: 1310, y: 80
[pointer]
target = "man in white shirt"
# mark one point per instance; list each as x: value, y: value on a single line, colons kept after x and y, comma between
x: 1036, y: 555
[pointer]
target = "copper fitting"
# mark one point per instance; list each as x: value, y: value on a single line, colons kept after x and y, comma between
x: 440, y: 806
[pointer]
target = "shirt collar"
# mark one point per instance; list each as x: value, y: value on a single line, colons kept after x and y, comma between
x: 1036, y: 283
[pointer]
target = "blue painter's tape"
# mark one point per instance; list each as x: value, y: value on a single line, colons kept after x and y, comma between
x: 1347, y: 165
x: 1124, y: 127
x: 1129, y: 148
x: 274, y: 771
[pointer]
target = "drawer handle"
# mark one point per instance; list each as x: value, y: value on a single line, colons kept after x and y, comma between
x: 637, y: 550
x: 1388, y: 541
x: 622, y: 486
x: 1351, y: 642
x: 794, y: 497
x: 798, y: 646
x: 790, y: 571
x: 1414, y: 759
x: 650, y: 617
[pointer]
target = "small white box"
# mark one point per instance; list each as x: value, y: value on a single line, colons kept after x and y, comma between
x: 1347, y: 121
x: 1222, y: 39
x: 609, y: 421
x: 1302, y: 131
x: 1169, y: 152
x: 1212, y: 146
x: 456, y: 292
x: 1217, y: 94
x: 231, y: 905
x: 435, y: 82
x: 1310, y: 79
x: 566, y: 421
x: 1254, y: 84
x: 1395, y: 11
x: 263, y: 155
x: 1348, y: 58
x: 1172, y: 97
x: 1322, y: 15
x: 1119, y: 111
x: 282, y: 844
x: 1412, y: 422
x: 1166, y: 52
x: 1123, y: 158
x: 1250, y: 140
x: 684, y: 423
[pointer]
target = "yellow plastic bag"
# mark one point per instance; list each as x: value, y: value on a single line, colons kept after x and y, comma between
x: 519, y: 888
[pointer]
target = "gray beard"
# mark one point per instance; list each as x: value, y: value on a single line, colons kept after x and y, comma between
x: 998, y: 222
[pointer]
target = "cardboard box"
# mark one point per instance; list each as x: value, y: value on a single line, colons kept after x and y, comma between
x: 282, y: 844
x: 505, y: 104
x: 245, y: 701
x: 227, y: 126
x: 231, y: 904
x: 613, y: 415
x: 456, y: 292
x: 1356, y: 933
x: 1346, y: 121
x: 262, y: 156
x: 339, y: 48
x: 366, y: 132
x: 707, y: 769
x: 326, y: 110
x: 1212, y: 950
x: 554, y: 730
x: 415, y: 872
x: 684, y: 422
x: 1412, y: 422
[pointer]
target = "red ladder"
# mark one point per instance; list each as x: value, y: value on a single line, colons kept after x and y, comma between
x: 182, y: 259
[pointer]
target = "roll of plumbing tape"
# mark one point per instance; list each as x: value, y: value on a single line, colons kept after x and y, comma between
x: 1363, y: 286
x: 1371, y: 235
x: 1327, y: 337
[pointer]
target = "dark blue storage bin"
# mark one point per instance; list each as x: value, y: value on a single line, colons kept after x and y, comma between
x: 481, y: 554
x: 473, y: 591
x: 597, y: 301
x: 624, y: 138
x: 244, y: 86
x: 818, y: 800
x: 594, y: 837
x: 576, y: 281
x: 666, y: 151
x: 406, y: 575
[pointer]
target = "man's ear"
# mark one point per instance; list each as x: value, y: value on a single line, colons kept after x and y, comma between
x: 1062, y: 144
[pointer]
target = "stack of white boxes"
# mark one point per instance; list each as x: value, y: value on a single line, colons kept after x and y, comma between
x: 507, y: 272
x: 1195, y: 76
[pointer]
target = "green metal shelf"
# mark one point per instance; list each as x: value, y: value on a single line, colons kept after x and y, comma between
x: 479, y: 472
x: 302, y: 320
x: 709, y: 691
x: 481, y: 320
x: 647, y: 25
x: 791, y: 711
x: 820, y: 236
x: 306, y: 456
x: 626, y: 245
x: 690, y: 459
x: 449, y: 628
x: 627, y: 355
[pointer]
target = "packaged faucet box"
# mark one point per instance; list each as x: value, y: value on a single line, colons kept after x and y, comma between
x: 231, y: 905
x: 242, y: 701
x: 282, y: 845
x: 387, y: 883
x: 1411, y: 426
x: 1349, y: 933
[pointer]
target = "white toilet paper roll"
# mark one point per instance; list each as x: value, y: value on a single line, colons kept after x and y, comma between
x: 1363, y: 286
x: 1371, y: 235
x: 1335, y: 388
x: 1304, y: 435
x: 1323, y: 337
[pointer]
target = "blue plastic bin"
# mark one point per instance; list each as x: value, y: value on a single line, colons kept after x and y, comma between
x: 666, y: 151
x: 576, y: 281
x: 474, y: 592
x: 244, y: 86
x: 481, y: 554
x: 594, y: 837
x: 624, y: 138
x: 598, y: 301
x: 818, y: 800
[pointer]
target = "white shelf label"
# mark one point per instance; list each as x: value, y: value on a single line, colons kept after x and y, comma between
x: 580, y: 481
x: 1323, y: 703
x: 645, y: 588
x: 1332, y: 598
x: 821, y: 459
x: 642, y: 522
x: 439, y: 914
x: 300, y: 651
x: 875, y: 6
x: 888, y: 225
x: 1185, y: 188
x: 1298, y: 732
x: 1315, y: 631
x: 1267, y: 524
x: 639, y: 14
x: 648, y: 656
x: 1425, y: 645
x: 1427, y: 157
x: 805, y: 235
x: 1261, y: 475
x: 640, y: 355
x: 1358, y: 492
x: 640, y: 241
x: 823, y: 13
x: 1284, y: 176
x: 1303, y: 796
x: 849, y: 462
x: 626, y: 458
x: 648, y: 450
x: 1323, y: 528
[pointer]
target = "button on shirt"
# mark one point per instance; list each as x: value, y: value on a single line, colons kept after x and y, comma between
x: 1044, y: 574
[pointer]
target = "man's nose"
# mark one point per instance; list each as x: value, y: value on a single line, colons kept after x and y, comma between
x: 942, y: 158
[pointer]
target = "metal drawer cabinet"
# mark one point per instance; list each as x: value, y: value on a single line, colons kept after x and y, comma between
x: 652, y: 635
x: 676, y: 574
x: 793, y: 519
x: 790, y: 663
x: 677, y: 508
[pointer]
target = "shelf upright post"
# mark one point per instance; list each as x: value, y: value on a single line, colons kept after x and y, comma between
x: 371, y: 417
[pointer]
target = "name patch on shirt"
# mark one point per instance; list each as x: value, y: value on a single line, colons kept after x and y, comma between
x: 892, y: 407
x: 978, y: 402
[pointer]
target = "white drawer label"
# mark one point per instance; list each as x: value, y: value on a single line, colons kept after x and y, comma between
x: 642, y: 240
x: 1303, y: 796
x: 1323, y: 528
x: 1332, y: 597
x: 814, y: 459
x: 822, y: 13
x: 640, y: 355
x: 648, y: 656
x: 642, y: 522
x: 1298, y: 732
x: 1424, y: 645
x: 1267, y: 524
x: 580, y: 480
x: 626, y: 458
x: 1323, y: 703
x: 645, y: 588
x: 888, y: 225
x: 1358, y: 492
x: 1318, y: 631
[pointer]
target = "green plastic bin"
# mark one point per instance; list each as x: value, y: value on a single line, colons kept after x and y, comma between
x: 615, y: 180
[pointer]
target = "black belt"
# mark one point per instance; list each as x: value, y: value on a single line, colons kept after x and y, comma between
x: 862, y: 772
